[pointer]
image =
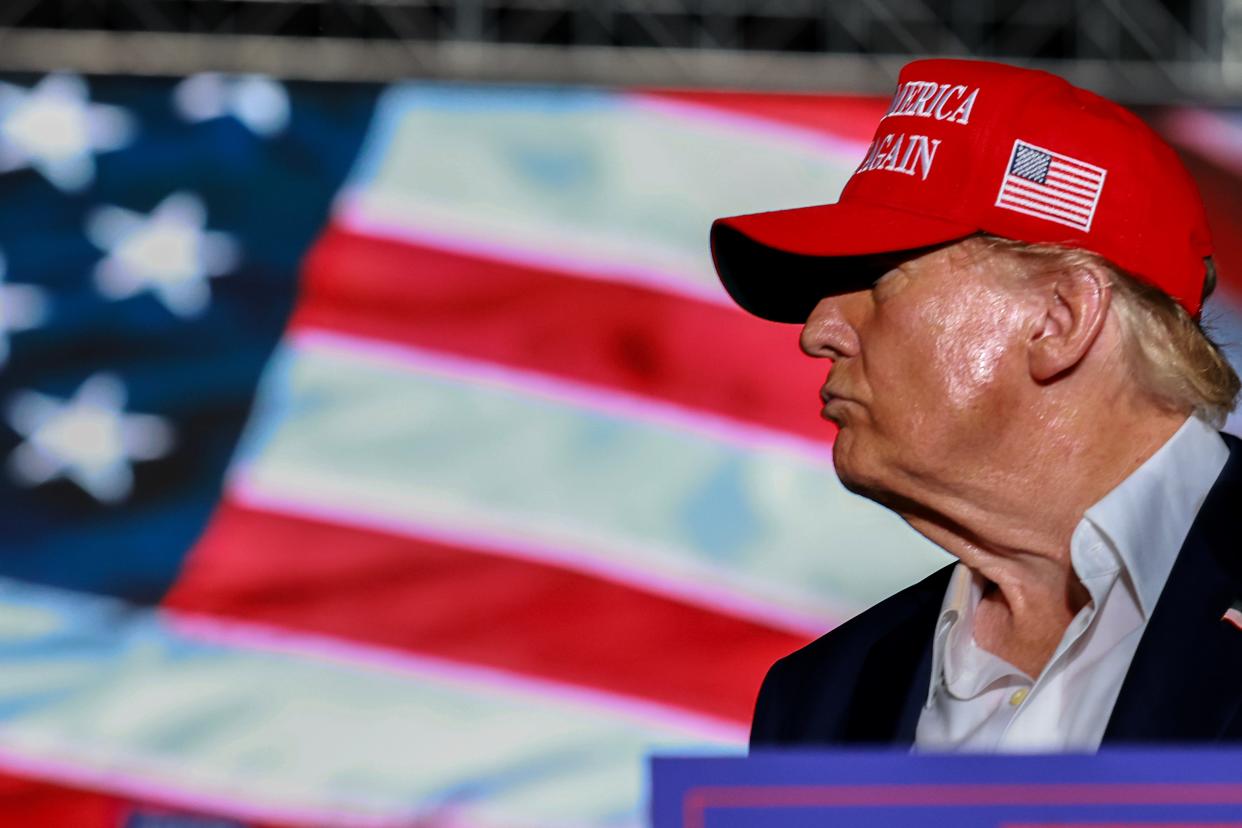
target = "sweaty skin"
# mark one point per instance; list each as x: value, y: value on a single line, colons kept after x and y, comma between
x: 990, y: 409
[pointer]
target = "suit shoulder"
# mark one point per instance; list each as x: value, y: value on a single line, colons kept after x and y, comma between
x: 856, y: 636
x: 806, y: 696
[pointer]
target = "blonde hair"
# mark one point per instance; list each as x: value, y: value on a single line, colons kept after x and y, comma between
x: 1171, y: 356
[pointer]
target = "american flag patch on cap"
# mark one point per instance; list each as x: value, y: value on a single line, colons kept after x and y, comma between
x: 1051, y: 186
x: 1234, y: 614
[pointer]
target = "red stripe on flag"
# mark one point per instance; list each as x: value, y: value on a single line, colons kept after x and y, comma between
x: 476, y: 608
x: 26, y: 801
x: 847, y: 117
x: 693, y: 354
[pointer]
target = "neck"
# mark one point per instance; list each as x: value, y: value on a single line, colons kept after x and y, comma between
x: 1011, y: 520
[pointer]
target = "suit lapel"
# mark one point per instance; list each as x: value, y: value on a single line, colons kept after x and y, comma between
x: 892, y: 686
x: 1185, y: 681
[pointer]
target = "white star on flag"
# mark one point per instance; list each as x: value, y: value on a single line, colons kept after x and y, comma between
x: 258, y: 102
x: 56, y: 130
x: 22, y: 307
x: 168, y: 252
x: 87, y: 439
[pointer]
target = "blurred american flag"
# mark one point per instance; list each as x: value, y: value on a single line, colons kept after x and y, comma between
x: 390, y: 456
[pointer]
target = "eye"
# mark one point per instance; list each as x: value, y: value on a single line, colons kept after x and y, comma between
x: 886, y: 277
x: 889, y: 283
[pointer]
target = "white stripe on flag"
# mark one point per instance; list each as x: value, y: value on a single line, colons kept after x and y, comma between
x: 138, y: 703
x: 518, y: 175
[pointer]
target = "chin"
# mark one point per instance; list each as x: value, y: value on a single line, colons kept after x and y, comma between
x: 860, y: 486
x: 845, y: 461
x: 856, y: 468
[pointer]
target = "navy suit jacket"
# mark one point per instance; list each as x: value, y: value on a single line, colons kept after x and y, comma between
x: 866, y: 681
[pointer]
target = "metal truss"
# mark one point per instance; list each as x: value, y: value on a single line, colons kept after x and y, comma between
x: 1136, y: 50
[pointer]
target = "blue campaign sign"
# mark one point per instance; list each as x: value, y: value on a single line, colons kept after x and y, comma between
x: 1178, y: 788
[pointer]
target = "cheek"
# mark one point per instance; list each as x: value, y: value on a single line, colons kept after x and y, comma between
x: 970, y: 367
x: 969, y: 353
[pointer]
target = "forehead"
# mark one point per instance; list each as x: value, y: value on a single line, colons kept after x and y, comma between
x: 966, y: 268
x: 964, y: 259
x: 970, y: 282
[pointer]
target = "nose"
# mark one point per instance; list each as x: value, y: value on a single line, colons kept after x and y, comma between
x: 831, y: 330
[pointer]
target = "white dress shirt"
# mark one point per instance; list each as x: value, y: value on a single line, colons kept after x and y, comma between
x: 1122, y: 550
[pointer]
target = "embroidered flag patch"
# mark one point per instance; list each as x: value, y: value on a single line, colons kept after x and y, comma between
x: 1051, y: 186
x: 1234, y: 614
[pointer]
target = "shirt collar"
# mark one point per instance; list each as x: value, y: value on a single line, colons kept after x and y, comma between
x: 1147, y: 516
x: 956, y: 604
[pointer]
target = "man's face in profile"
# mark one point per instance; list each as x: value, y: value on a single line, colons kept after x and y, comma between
x: 926, y: 367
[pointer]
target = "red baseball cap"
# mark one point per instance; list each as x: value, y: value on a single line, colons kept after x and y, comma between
x: 972, y: 146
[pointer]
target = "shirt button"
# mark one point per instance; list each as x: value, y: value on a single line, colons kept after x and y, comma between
x: 1019, y: 696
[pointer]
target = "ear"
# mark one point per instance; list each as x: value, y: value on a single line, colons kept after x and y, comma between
x: 1072, y: 311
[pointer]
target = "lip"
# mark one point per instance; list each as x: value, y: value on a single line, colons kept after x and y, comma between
x: 831, y: 400
x: 827, y: 395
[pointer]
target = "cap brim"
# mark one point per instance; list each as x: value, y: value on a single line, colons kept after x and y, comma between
x: 778, y: 265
